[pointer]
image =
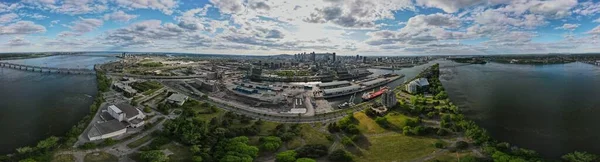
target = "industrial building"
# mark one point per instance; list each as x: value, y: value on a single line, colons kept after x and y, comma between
x: 106, y: 130
x: 126, y: 89
x: 177, y: 99
x: 373, y: 82
x: 335, y: 84
x: 342, y: 90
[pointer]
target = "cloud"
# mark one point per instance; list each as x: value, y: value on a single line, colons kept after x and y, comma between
x: 83, y: 25
x: 229, y: 6
x: 595, y: 31
x: 22, y: 27
x: 357, y: 13
x: 449, y: 6
x: 420, y: 29
x: 18, y: 41
x: 7, y: 7
x: 588, y: 8
x: 119, y: 16
x: 597, y: 20
x: 570, y: 27
x: 37, y: 16
x: 7, y: 18
x: 165, y: 6
x: 53, y: 22
x: 146, y: 33
x: 70, y: 7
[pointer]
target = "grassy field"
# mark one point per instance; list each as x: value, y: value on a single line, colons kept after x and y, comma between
x: 367, y: 125
x: 396, y: 147
x: 313, y: 136
x: 140, y: 141
x: 64, y: 158
x: 180, y: 152
x: 100, y: 157
x: 267, y: 128
x: 295, y: 143
x: 451, y: 156
x: 397, y: 120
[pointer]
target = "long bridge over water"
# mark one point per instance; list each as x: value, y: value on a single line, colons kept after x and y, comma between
x: 47, y: 69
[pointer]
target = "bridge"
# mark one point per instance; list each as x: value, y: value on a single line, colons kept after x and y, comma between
x: 47, y: 69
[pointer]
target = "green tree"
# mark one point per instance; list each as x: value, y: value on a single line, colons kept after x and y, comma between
x: 286, y: 156
x: 340, y: 155
x: 154, y: 156
x: 197, y: 159
x: 347, y: 141
x: 382, y: 121
x: 47, y: 143
x: 270, y: 143
x: 580, y: 157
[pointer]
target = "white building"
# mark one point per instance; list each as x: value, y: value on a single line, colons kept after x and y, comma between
x: 177, y: 99
x: 106, y: 130
x: 413, y: 86
x: 117, y: 118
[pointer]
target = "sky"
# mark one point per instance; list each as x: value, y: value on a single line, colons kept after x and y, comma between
x: 347, y: 27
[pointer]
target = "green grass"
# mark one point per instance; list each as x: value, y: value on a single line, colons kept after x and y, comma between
x: 64, y: 158
x: 180, y: 153
x: 208, y: 117
x: 450, y: 156
x: 101, y: 157
x: 313, y: 136
x: 267, y: 128
x: 140, y: 141
x: 396, y: 147
x: 397, y: 120
x: 295, y: 143
x: 367, y: 125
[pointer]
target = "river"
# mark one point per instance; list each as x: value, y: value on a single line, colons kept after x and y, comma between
x: 552, y: 109
x: 34, y: 105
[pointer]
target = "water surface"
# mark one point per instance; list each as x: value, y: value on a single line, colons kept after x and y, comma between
x: 553, y: 109
x: 34, y: 105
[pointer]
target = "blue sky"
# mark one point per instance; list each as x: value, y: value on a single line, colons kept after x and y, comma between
x: 348, y: 27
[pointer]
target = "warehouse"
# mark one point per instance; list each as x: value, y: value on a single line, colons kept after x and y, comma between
x: 335, y: 84
x: 335, y: 91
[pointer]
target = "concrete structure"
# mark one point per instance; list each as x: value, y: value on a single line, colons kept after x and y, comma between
x: 207, y: 85
x: 116, y: 113
x: 415, y: 85
x: 177, y: 99
x: 335, y: 84
x: 335, y: 91
x: 126, y: 89
x: 388, y: 99
x: 106, y: 130
x: 47, y: 69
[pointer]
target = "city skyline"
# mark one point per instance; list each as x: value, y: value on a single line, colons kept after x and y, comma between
x: 396, y: 27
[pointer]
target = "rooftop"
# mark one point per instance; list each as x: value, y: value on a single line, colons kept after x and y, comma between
x: 110, y: 126
x: 129, y: 110
x: 341, y: 89
x: 333, y: 83
x: 177, y: 97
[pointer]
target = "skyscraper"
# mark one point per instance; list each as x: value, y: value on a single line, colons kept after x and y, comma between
x: 334, y: 57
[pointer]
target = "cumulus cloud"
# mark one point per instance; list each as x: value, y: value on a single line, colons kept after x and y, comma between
x: 7, y: 18
x: 449, y: 6
x: 165, y: 6
x: 595, y: 31
x: 70, y: 7
x: 22, y: 27
x: 229, y: 6
x: 119, y: 16
x: 570, y: 27
x: 17, y: 41
x: 357, y: 13
x: 7, y: 7
x: 420, y: 29
x: 83, y: 25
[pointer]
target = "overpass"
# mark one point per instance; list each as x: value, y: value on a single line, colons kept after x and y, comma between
x: 47, y: 69
x: 155, y: 77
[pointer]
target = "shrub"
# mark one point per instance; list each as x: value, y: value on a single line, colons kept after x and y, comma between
x: 461, y: 145
x: 340, y: 155
x: 312, y: 151
x: 286, y: 156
